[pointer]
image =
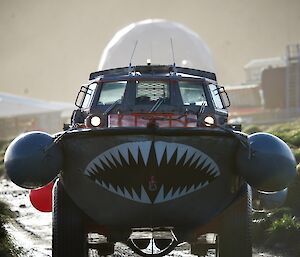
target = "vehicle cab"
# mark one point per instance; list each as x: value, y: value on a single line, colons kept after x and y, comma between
x: 141, y: 96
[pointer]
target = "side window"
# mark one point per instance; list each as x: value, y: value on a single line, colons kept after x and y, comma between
x: 216, y: 96
x: 85, y: 96
x: 111, y: 92
x: 89, y: 96
x: 192, y: 93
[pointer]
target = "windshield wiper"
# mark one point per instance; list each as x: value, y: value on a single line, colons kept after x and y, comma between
x: 158, y: 103
x: 112, y: 106
x: 202, y: 108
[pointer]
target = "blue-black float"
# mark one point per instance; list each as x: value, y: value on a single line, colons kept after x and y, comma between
x: 32, y: 160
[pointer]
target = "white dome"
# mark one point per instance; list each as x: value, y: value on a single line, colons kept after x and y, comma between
x: 153, y: 39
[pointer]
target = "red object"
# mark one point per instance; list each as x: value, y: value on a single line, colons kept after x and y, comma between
x: 161, y: 119
x: 41, y: 198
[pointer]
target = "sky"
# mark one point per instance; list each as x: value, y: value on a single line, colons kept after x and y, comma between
x: 49, y: 47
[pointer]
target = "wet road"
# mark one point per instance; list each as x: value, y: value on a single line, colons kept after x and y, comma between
x: 32, y: 229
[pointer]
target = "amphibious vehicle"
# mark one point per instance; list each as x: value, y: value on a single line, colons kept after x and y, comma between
x: 149, y: 159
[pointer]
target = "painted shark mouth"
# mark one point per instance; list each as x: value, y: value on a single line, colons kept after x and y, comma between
x: 152, y: 172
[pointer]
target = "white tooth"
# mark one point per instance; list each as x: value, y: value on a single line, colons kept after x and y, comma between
x: 176, y: 194
x: 205, y: 184
x: 93, y: 167
x: 98, y: 163
x: 144, y: 196
x: 104, y: 160
x: 214, y: 173
x: 90, y: 169
x: 181, y: 149
x: 123, y: 149
x: 159, y: 150
x: 135, y: 196
x: 217, y: 172
x: 189, y: 155
x: 115, y: 153
x: 126, y: 194
x: 191, y: 190
x: 103, y: 185
x: 160, y: 196
x: 109, y: 157
x: 199, y: 186
x: 145, y: 150
x: 171, y: 148
x: 134, y: 149
x: 169, y: 195
x: 112, y: 189
x: 201, y: 159
x: 196, y: 156
x: 119, y: 191
x: 99, y: 183
x: 210, y: 170
x: 213, y: 164
x: 207, y: 163
x: 91, y: 172
x: 183, y: 192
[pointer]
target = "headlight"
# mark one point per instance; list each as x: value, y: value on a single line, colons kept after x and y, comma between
x: 92, y: 121
x: 209, y: 121
x: 95, y: 121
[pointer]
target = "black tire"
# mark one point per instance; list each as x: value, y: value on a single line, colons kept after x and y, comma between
x: 199, y: 249
x: 235, y: 234
x: 68, y: 236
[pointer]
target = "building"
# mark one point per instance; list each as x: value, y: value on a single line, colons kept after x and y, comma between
x: 21, y: 114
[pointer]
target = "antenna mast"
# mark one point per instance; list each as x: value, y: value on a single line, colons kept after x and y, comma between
x: 173, y: 52
x: 133, y: 53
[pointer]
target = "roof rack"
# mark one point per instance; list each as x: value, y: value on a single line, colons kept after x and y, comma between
x: 153, y: 69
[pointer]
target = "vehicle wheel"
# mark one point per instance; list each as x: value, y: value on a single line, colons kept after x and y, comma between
x: 235, y: 234
x: 68, y: 236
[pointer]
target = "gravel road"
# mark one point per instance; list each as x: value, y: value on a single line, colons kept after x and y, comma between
x: 32, y: 229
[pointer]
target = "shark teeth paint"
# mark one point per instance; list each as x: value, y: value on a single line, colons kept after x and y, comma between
x: 152, y: 172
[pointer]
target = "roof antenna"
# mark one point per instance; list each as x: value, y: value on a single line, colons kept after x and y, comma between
x: 149, y: 60
x: 133, y: 53
x: 173, y: 55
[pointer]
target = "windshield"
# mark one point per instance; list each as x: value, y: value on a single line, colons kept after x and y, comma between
x: 151, y: 91
x: 192, y: 93
x: 111, y: 92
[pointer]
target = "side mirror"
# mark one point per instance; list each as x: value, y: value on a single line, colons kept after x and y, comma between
x: 225, y: 97
x: 81, y: 96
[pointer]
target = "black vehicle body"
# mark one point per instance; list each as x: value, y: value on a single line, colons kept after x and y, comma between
x: 148, y: 209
